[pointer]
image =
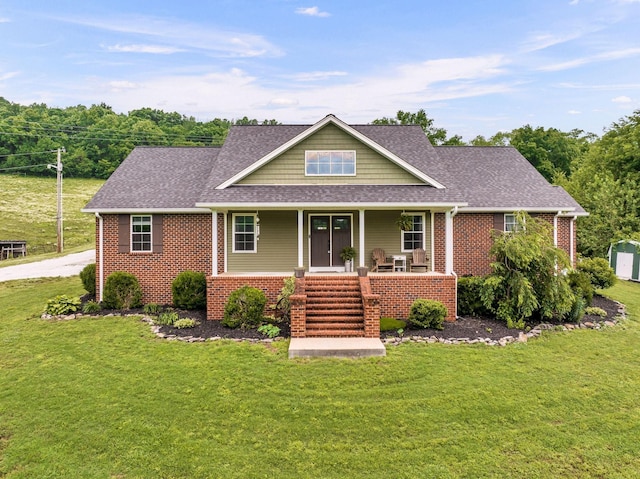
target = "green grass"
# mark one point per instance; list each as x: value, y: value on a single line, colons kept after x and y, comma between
x: 103, y: 398
x: 28, y: 209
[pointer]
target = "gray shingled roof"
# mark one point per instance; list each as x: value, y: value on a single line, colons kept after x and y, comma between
x: 180, y: 178
x: 157, y: 178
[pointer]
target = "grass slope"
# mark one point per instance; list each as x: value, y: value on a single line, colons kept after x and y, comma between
x: 104, y: 398
x: 28, y: 208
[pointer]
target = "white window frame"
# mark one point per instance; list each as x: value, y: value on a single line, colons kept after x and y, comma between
x: 132, y: 224
x: 256, y: 232
x: 511, y: 223
x: 402, y: 233
x: 330, y: 152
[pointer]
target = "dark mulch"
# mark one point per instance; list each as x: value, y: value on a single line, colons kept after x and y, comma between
x: 464, y: 327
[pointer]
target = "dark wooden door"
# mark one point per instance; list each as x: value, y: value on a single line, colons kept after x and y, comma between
x: 341, y: 237
x: 320, y: 241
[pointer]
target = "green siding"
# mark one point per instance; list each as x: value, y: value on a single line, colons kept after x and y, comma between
x: 371, y: 167
x: 382, y: 232
x: 277, y: 245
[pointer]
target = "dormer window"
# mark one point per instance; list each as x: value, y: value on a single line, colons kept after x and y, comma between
x: 330, y: 163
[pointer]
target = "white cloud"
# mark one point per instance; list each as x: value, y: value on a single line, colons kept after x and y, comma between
x: 312, y: 12
x: 156, y: 49
x: 574, y: 112
x: 606, y: 56
x: 4, y: 20
x: 120, y: 85
x: 8, y: 75
x: 621, y: 99
x: 281, y: 103
x: 184, y: 35
x: 316, y: 76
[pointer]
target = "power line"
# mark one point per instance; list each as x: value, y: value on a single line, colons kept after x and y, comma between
x: 23, y: 167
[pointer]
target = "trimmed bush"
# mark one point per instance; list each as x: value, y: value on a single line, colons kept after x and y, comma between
x: 244, y: 308
x: 601, y: 274
x: 122, y: 291
x: 88, y: 278
x: 427, y: 313
x: 470, y: 297
x: 189, y: 290
x: 62, y: 304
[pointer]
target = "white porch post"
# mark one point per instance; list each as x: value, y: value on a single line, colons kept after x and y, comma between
x: 555, y: 229
x: 300, y: 238
x: 214, y: 243
x: 571, y: 242
x: 433, y: 248
x: 224, y: 241
x: 361, y: 238
x: 448, y: 241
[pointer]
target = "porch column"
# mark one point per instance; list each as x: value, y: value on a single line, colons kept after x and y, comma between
x: 214, y: 243
x: 448, y: 241
x: 300, y: 239
x: 361, y: 238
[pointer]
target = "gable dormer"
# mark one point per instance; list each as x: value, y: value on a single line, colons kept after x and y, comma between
x: 331, y: 152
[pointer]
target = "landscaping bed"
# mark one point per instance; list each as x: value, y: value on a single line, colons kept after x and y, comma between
x: 463, y: 327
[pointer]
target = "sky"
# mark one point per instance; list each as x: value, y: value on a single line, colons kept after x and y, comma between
x: 477, y: 68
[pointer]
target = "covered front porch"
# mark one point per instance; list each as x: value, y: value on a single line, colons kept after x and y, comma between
x: 315, y: 239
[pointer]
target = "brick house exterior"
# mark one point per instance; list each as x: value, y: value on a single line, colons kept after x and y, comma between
x: 279, y: 198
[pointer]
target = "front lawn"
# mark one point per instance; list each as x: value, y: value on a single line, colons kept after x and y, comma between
x: 104, y: 398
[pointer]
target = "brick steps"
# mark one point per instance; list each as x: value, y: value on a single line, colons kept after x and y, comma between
x: 334, y: 307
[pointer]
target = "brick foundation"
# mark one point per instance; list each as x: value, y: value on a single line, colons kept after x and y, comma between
x: 398, y: 291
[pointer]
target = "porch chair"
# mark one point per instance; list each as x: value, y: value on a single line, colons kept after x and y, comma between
x: 419, y: 260
x: 380, y: 262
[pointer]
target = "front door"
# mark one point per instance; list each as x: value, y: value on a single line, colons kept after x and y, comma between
x: 329, y: 235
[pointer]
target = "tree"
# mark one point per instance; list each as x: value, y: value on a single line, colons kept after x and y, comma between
x: 526, y: 278
x: 437, y: 136
x: 551, y: 151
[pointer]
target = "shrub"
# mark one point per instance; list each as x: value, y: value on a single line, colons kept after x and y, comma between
x: 580, y: 283
x: 244, y: 308
x: 601, y: 274
x: 427, y: 313
x: 269, y: 330
x: 168, y: 318
x: 283, y: 306
x: 189, y: 290
x: 470, y: 297
x: 391, y: 324
x: 152, y: 308
x: 122, y: 291
x: 524, y: 279
x: 62, y: 304
x: 88, y: 278
x: 577, y: 310
x: 594, y: 311
x: 91, y: 307
x: 185, y: 323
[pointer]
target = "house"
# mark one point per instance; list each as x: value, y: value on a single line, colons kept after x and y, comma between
x: 275, y: 199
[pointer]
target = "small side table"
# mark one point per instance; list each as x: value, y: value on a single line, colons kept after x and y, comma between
x: 399, y: 263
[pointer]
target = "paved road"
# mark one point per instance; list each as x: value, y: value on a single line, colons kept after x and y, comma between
x: 68, y: 265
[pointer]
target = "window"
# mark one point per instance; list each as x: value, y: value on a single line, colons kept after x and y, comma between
x: 511, y: 223
x: 141, y: 233
x: 244, y: 233
x: 330, y: 163
x: 414, y: 238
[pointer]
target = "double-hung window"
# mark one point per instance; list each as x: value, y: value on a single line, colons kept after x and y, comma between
x: 414, y: 238
x: 141, y: 233
x: 244, y: 233
x: 330, y: 163
x: 511, y: 223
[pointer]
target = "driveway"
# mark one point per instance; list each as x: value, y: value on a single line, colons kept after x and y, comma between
x: 69, y: 265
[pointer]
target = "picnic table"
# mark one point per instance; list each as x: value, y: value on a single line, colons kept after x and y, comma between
x: 12, y: 248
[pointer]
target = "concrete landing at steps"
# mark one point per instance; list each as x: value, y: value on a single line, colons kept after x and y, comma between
x: 336, y: 348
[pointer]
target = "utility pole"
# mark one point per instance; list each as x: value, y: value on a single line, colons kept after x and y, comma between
x: 58, y: 168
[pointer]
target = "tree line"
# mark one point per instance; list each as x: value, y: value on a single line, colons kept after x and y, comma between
x: 601, y: 172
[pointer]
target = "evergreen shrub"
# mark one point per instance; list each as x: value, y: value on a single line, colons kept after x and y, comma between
x: 427, y: 313
x: 88, y: 278
x: 122, y: 291
x: 244, y: 308
x: 189, y: 290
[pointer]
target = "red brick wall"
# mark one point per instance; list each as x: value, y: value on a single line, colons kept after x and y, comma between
x: 220, y: 287
x: 186, y: 245
x: 472, y: 241
x: 439, y: 248
x: 398, y: 291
